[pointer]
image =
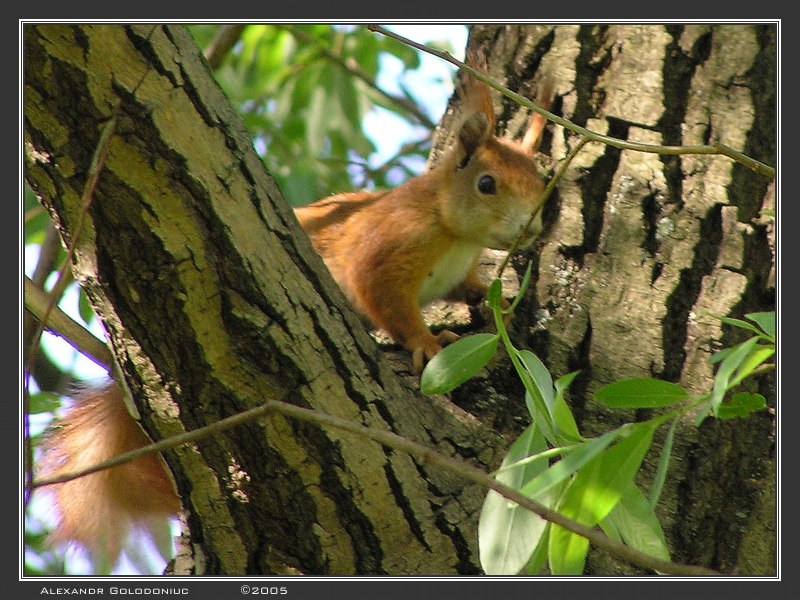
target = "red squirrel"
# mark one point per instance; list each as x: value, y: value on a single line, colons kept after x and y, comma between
x: 395, y: 252
x: 391, y: 253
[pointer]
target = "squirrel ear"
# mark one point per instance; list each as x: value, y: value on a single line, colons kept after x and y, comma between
x: 478, y: 122
x: 474, y: 131
x: 533, y: 135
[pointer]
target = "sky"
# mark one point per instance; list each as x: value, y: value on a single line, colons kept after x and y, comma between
x: 431, y: 85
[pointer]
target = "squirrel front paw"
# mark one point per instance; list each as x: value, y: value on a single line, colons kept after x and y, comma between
x: 428, y: 347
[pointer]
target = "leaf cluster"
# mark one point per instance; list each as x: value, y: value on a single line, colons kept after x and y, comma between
x: 590, y: 480
x: 304, y: 91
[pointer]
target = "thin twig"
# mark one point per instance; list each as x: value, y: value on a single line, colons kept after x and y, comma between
x: 161, y: 446
x: 95, y: 167
x: 223, y: 41
x: 45, y: 264
x: 356, y: 71
x: 423, y: 454
x: 551, y: 185
x: 721, y: 149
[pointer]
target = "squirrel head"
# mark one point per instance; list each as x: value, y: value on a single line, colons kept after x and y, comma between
x: 492, y: 187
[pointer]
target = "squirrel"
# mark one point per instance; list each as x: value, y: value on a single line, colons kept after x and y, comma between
x: 394, y: 252
x: 390, y: 252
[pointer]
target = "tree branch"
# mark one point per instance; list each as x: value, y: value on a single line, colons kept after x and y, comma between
x: 62, y: 325
x: 351, y: 67
x: 223, y: 41
x: 422, y: 453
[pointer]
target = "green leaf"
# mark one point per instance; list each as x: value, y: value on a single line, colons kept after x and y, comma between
x: 300, y: 187
x: 43, y: 402
x: 320, y: 113
x: 538, y: 410
x: 562, y: 415
x: 539, y: 557
x: 563, y: 382
x: 343, y: 89
x: 545, y: 455
x: 751, y: 362
x: 494, y: 295
x: 507, y: 533
x: 663, y: 465
x: 35, y: 226
x: 739, y: 323
x: 577, y: 458
x: 609, y: 527
x: 599, y: 486
x: 541, y: 377
x: 594, y: 492
x: 640, y: 393
x: 633, y: 518
x: 458, y: 362
x: 539, y: 393
x: 721, y: 354
x: 742, y: 405
x: 365, y: 51
x: 726, y: 369
x: 566, y: 552
x: 765, y: 320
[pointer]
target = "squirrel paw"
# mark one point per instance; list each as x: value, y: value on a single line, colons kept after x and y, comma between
x: 430, y: 347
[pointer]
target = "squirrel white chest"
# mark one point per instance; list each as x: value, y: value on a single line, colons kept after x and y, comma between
x: 449, y: 271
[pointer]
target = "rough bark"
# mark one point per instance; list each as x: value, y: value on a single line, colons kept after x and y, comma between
x: 640, y: 250
x: 214, y: 301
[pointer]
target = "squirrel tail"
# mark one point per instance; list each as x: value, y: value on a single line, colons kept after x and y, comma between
x: 97, y: 511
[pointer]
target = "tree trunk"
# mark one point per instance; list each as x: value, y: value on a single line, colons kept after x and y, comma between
x: 214, y: 301
x: 640, y: 250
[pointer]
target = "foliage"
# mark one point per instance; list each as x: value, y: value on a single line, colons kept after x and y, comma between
x: 590, y: 480
x: 303, y: 91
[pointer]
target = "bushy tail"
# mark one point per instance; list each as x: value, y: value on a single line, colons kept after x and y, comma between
x: 98, y: 510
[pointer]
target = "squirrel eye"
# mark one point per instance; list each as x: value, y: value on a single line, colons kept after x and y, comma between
x: 487, y: 185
